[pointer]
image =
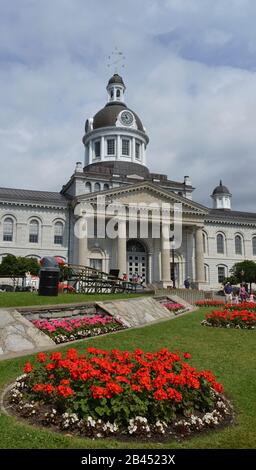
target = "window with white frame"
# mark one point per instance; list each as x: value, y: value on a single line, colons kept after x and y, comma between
x: 97, y: 149
x: 58, y: 233
x: 254, y: 246
x: 137, y: 150
x: 220, y: 243
x: 238, y: 245
x: 33, y: 231
x: 221, y: 273
x: 8, y: 230
x: 111, y: 148
x: 126, y: 147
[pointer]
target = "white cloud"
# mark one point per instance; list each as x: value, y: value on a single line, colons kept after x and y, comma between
x: 189, y: 76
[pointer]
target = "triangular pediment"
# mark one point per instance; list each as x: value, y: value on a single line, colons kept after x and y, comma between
x: 144, y: 193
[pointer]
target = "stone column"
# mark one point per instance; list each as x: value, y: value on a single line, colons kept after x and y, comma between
x: 121, y: 248
x: 118, y: 147
x: 165, y: 261
x: 90, y: 152
x: 150, y: 268
x: 102, y: 149
x: 82, y: 244
x: 133, y: 150
x: 199, y: 255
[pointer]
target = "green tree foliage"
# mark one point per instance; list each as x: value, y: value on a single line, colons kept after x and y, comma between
x: 245, y: 271
x: 13, y: 266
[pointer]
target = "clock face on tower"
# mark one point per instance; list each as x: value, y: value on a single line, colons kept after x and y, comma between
x: 126, y: 118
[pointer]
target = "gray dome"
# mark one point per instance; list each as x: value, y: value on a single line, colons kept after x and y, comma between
x: 116, y: 79
x: 107, y: 116
x: 221, y: 190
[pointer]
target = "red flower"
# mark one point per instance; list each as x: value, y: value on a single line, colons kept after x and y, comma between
x: 98, y: 392
x: 136, y: 388
x: 28, y: 368
x: 41, y: 357
x: 187, y: 355
x: 56, y: 356
x: 160, y: 394
x: 50, y: 366
x: 64, y: 382
x: 64, y: 391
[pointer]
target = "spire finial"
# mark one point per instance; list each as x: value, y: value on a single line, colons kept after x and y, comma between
x: 116, y: 59
x: 220, y: 182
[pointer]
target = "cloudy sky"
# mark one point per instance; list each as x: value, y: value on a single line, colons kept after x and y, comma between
x: 190, y: 74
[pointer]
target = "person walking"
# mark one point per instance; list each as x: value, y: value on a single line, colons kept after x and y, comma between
x: 242, y: 293
x: 228, y: 290
x: 187, y: 283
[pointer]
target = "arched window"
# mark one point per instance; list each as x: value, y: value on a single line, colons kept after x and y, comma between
x: 88, y: 187
x: 33, y: 231
x: 97, y: 187
x: 8, y: 230
x: 58, y: 233
x: 238, y: 244
x: 220, y: 243
x: 118, y: 93
x: 254, y: 246
x: 106, y: 186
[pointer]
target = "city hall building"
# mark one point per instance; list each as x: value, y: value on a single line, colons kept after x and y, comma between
x: 41, y: 223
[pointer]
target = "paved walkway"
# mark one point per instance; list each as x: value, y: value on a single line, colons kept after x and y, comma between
x: 19, y: 335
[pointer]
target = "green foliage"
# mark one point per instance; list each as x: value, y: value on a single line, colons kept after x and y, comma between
x: 245, y: 271
x: 12, y: 266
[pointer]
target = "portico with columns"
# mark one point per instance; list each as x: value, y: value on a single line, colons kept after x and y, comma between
x: 145, y: 256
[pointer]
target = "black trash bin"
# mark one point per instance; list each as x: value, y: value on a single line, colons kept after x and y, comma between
x: 49, y: 277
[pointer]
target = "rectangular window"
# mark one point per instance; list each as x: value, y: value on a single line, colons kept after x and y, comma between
x: 221, y: 274
x: 96, y: 263
x: 125, y: 147
x: 58, y: 240
x: 111, y: 146
x: 97, y: 149
x: 137, y: 150
x: 33, y: 238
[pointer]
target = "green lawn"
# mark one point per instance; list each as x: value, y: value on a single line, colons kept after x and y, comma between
x: 230, y: 353
x: 23, y: 299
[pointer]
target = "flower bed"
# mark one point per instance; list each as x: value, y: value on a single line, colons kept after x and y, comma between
x: 242, y: 319
x: 102, y: 393
x: 173, y: 307
x: 209, y: 303
x: 249, y: 306
x: 65, y: 330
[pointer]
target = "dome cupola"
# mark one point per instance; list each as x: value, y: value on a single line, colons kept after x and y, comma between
x: 221, y: 197
x: 115, y: 133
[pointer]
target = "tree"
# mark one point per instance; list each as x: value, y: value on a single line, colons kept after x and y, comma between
x: 245, y: 271
x: 15, y: 267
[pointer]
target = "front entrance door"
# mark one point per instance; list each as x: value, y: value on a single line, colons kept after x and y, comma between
x: 136, y: 260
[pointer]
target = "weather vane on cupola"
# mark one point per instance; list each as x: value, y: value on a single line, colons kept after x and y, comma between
x: 116, y: 59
